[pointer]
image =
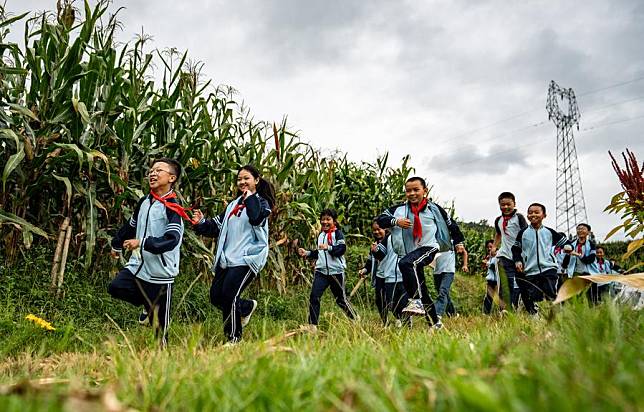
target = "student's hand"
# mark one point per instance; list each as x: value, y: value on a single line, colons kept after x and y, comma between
x: 323, y: 246
x: 197, y: 215
x: 131, y: 244
x: 114, y: 254
x: 362, y: 272
x: 374, y: 247
x: 465, y: 269
x: 301, y: 252
x: 403, y: 223
x: 519, y: 266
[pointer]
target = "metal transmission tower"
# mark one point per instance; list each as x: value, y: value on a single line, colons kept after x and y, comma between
x: 571, y: 207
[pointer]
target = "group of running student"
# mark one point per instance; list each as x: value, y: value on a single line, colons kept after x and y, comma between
x: 408, y: 237
x: 154, y: 234
x: 530, y: 261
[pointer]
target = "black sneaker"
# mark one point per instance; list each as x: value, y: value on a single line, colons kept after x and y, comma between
x: 144, y: 318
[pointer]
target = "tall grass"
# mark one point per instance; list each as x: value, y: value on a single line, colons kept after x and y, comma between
x: 572, y: 358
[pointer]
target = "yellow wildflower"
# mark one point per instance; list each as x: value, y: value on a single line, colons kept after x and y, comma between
x: 40, y: 322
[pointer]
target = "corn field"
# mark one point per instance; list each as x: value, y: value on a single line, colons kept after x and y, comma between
x: 82, y: 117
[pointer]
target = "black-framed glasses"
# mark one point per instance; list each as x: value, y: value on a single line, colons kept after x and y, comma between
x: 158, y: 171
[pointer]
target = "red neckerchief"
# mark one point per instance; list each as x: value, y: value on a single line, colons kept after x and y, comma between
x: 238, y: 208
x: 329, y: 234
x: 580, y: 246
x: 506, y: 219
x: 601, y: 264
x: 417, y: 231
x: 175, y: 207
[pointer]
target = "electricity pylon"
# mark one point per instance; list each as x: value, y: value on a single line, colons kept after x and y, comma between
x: 571, y: 207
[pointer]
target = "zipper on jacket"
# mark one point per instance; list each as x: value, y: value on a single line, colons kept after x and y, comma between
x: 538, y: 244
x: 145, y: 232
x: 326, y: 259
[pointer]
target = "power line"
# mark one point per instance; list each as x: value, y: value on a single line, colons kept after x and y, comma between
x: 507, y: 119
x: 602, y: 125
x: 534, y: 125
x: 530, y: 143
x: 601, y: 89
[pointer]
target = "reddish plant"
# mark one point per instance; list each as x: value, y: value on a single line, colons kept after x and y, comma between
x: 632, y: 179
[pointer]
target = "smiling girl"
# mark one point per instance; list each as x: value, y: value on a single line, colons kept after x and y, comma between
x: 242, y: 248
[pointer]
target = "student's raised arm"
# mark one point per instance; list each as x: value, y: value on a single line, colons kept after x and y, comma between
x: 257, y: 209
x: 208, y: 227
x: 587, y: 260
x: 381, y: 250
x: 559, y: 239
x: 387, y: 219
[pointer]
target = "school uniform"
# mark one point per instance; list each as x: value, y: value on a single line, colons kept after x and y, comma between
x: 148, y: 277
x: 436, y: 229
x: 534, y: 247
x: 508, y: 228
x: 330, y: 265
x: 584, y: 265
x: 390, y: 292
x: 242, y: 251
x: 492, y: 280
x: 443, y: 278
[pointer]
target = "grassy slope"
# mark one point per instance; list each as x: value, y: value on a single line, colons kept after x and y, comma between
x: 577, y: 358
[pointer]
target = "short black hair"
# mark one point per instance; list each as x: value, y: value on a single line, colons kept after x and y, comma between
x: 417, y: 179
x: 586, y: 225
x: 600, y: 247
x: 487, y: 242
x: 507, y: 195
x: 543, y: 208
x: 174, y: 165
x: 329, y: 212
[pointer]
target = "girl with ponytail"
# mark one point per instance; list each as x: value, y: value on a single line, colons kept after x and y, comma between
x: 242, y: 248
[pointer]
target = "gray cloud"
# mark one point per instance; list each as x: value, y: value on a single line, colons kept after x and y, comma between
x: 469, y: 160
x: 460, y: 85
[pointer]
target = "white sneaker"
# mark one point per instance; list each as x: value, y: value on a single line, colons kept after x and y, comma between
x: 246, y: 319
x: 415, y: 307
x: 438, y: 324
x: 398, y: 323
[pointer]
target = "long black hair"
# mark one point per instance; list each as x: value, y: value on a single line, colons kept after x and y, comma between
x: 264, y: 188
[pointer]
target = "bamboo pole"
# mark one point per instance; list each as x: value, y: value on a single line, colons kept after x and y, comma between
x: 59, y: 249
x: 61, y: 272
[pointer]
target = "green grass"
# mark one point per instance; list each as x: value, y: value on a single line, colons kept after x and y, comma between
x: 573, y: 358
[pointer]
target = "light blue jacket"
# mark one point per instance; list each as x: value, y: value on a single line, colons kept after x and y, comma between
x: 387, y: 261
x: 330, y: 261
x: 534, y: 247
x: 160, y: 231
x: 439, y: 230
x: 247, y: 243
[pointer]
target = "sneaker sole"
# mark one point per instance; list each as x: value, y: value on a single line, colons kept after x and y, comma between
x: 246, y: 319
x: 414, y: 312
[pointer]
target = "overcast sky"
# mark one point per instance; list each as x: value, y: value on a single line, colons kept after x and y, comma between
x: 459, y: 85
